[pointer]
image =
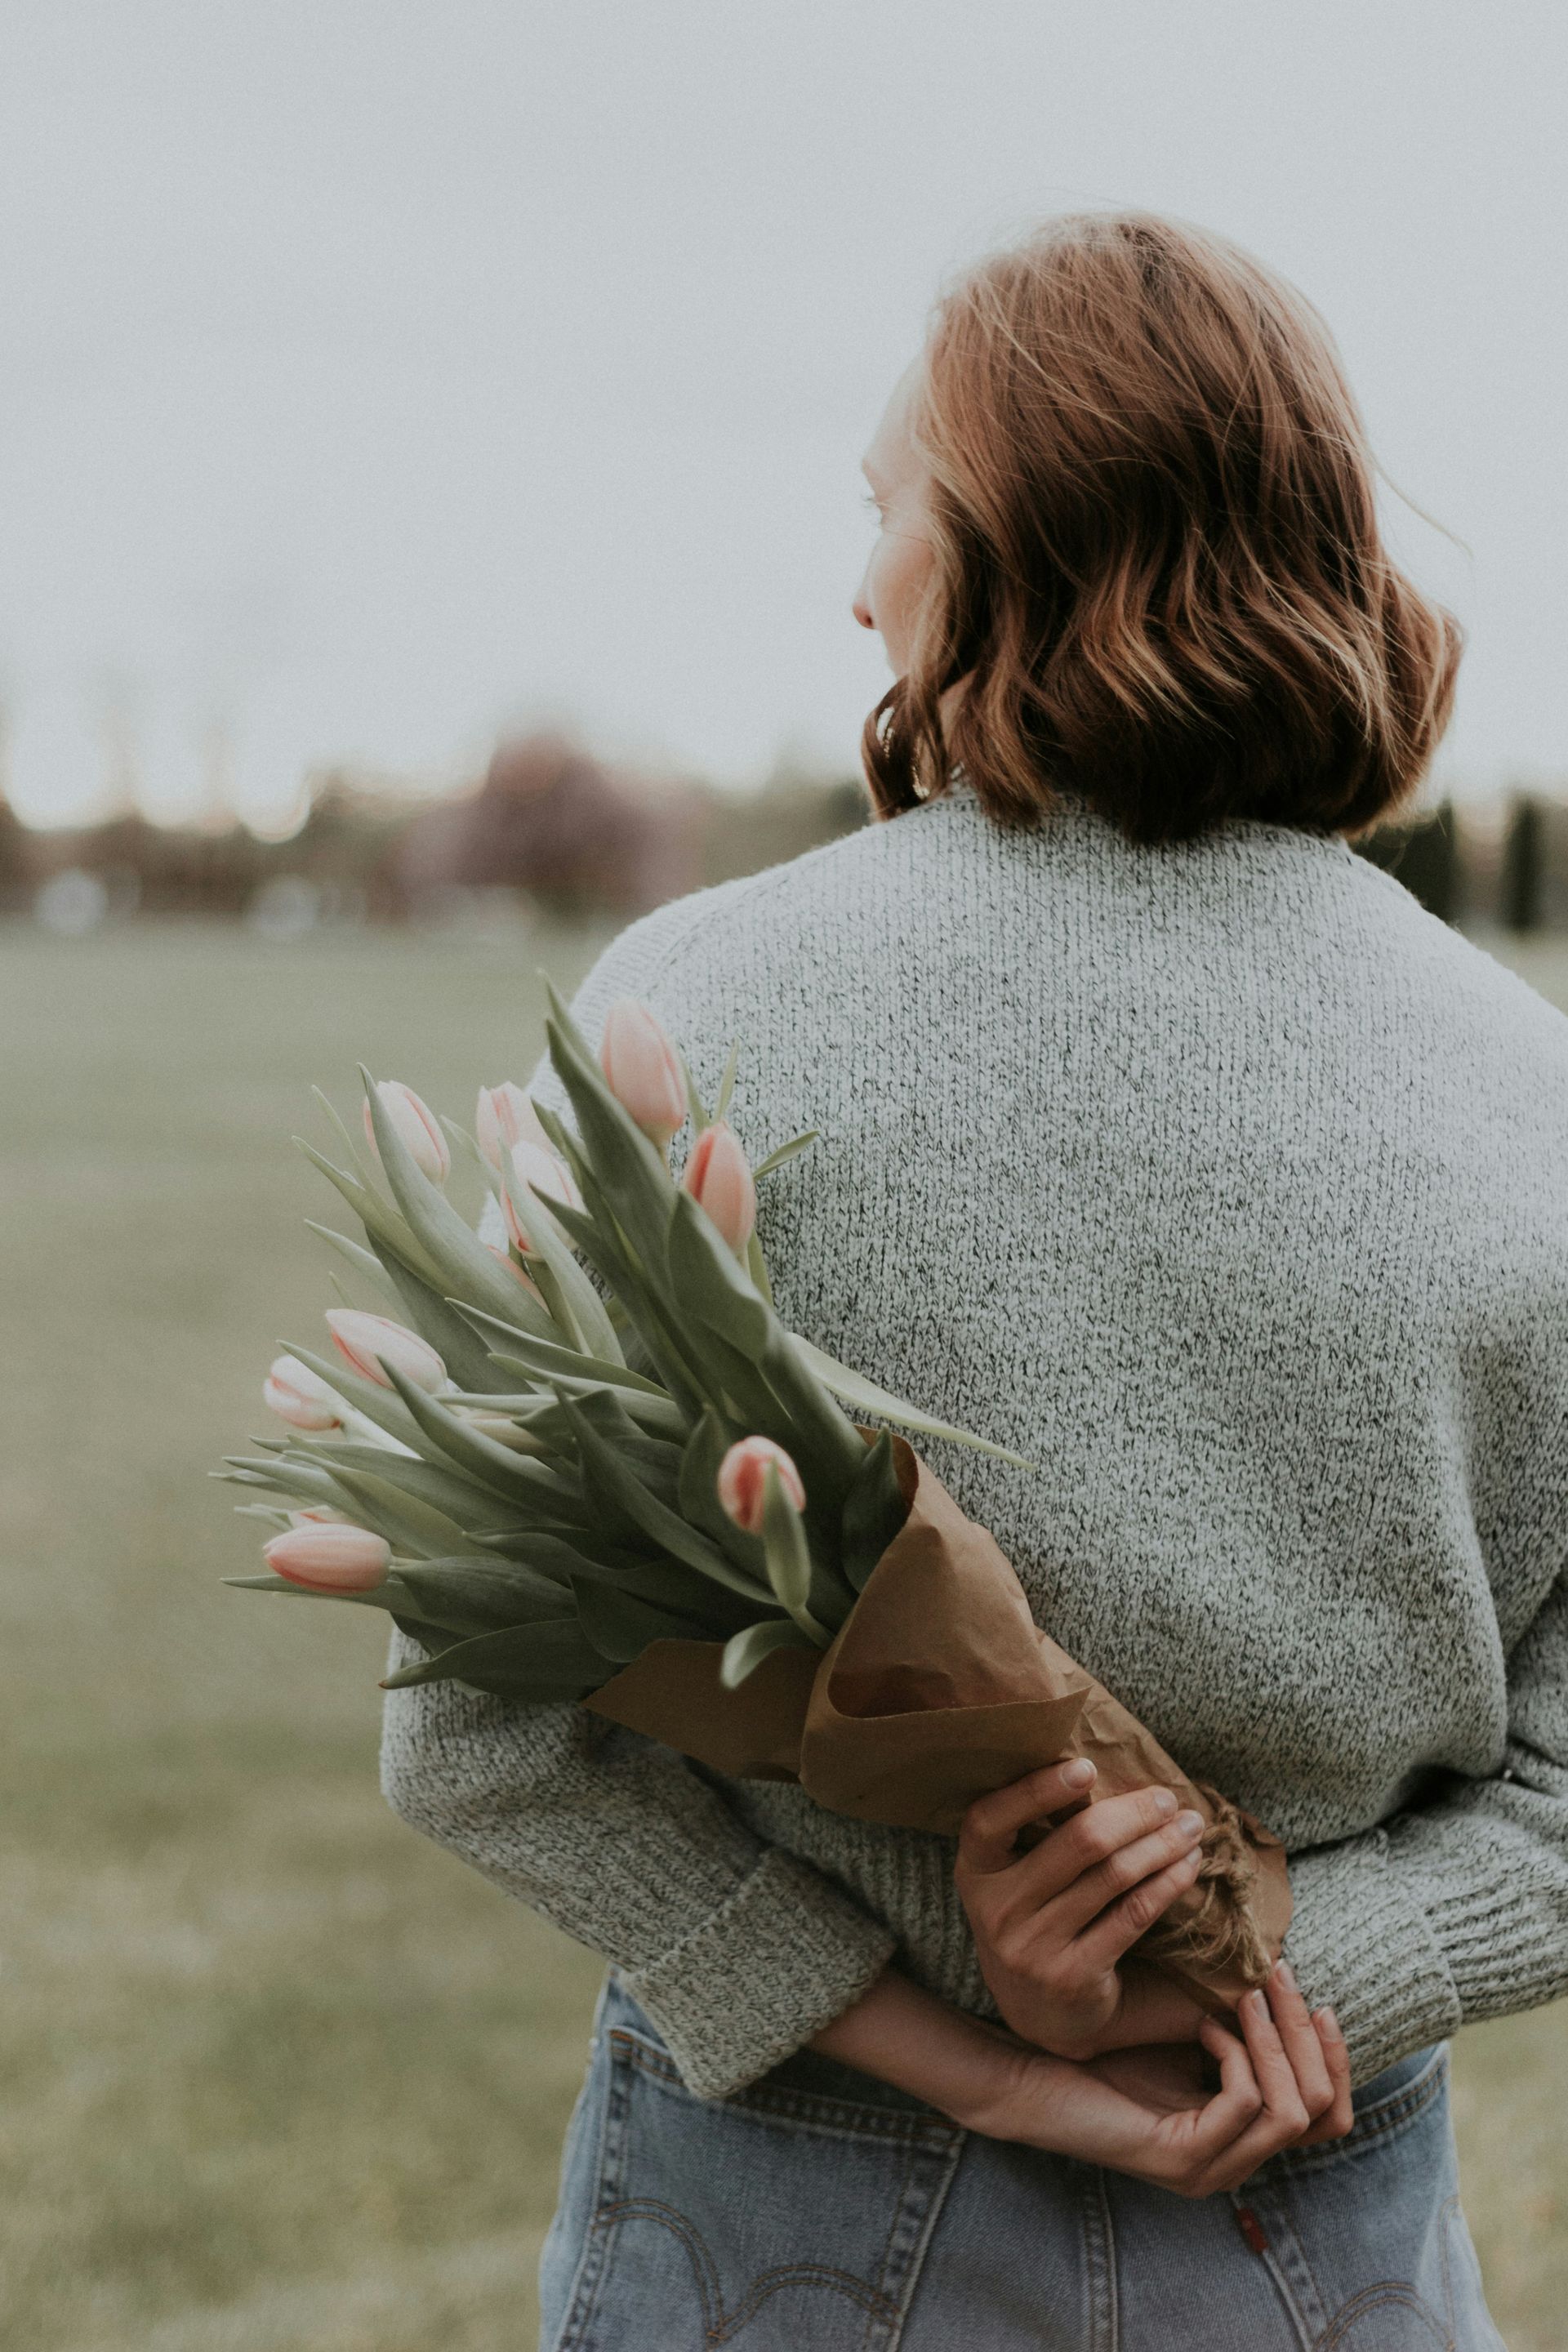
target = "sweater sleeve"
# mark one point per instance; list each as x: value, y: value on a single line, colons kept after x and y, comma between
x: 737, y: 1951
x: 1457, y: 1910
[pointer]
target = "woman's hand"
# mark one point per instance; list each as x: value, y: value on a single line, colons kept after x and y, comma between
x: 1052, y: 1927
x: 1284, y: 2082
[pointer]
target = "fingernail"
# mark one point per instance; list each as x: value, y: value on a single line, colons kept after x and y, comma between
x: 1333, y: 2022
x: 1165, y: 1802
x: 1255, y: 2002
x: 1285, y: 1975
x: 1078, y: 1773
x: 1191, y: 1825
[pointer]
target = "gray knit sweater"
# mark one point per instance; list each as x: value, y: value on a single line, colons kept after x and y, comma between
x: 1231, y: 1188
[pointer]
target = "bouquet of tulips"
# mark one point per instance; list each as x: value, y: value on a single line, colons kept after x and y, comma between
x: 586, y: 1461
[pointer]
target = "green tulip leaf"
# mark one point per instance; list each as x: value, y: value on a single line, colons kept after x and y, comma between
x: 468, y: 1267
x: 711, y: 1284
x: 874, y: 1510
x: 383, y: 1225
x: 746, y: 1650
x: 478, y: 1596
x: 549, y: 1361
x: 588, y: 1325
x: 620, y: 1626
x: 612, y: 1483
x: 377, y: 1404
x: 788, y: 1556
x: 854, y: 1388
x: 363, y: 1261
x: 512, y: 1475
x: 550, y: 1660
x: 726, y: 1093
x: 800, y: 1142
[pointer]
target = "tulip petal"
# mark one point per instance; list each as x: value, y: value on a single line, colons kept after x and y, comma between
x: 699, y: 1466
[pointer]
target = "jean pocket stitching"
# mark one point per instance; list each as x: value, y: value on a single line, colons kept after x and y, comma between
x: 876, y: 2305
x: 812, y: 2110
x: 1375, y: 2298
x: 654, y: 2209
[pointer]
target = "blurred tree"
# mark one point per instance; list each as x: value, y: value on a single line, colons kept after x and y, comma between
x: 16, y: 857
x: 1521, y: 866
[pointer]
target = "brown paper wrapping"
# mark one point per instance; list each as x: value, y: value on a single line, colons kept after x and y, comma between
x: 938, y: 1688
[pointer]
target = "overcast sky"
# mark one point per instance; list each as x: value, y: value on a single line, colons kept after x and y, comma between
x: 374, y: 375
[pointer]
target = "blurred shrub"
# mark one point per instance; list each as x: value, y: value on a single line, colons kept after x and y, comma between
x: 1423, y: 852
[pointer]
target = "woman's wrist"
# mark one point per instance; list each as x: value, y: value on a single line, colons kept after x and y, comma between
x: 968, y: 2070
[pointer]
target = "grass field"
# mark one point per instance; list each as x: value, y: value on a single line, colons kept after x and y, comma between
x: 279, y: 2077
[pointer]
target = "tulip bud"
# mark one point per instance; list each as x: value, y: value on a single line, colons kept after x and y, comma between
x: 332, y: 1559
x: 742, y: 1481
x: 363, y: 1339
x: 417, y: 1125
x: 539, y: 1170
x: 503, y: 1119
x: 298, y: 1396
x: 643, y: 1070
x: 718, y: 1176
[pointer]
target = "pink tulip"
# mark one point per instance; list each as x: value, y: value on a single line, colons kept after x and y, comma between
x: 296, y: 1395
x: 643, y: 1070
x: 418, y: 1126
x: 718, y: 1176
x: 742, y: 1481
x: 363, y: 1339
x: 505, y: 1117
x: 539, y: 1170
x: 332, y: 1559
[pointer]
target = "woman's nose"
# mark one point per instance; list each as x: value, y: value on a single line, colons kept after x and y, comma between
x: 862, y: 610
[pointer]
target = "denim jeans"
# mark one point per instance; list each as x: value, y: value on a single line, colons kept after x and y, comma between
x: 820, y: 2211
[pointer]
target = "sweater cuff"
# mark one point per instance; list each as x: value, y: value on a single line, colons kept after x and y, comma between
x: 781, y: 1958
x: 1360, y: 1940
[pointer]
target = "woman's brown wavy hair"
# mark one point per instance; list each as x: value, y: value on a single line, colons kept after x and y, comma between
x: 1158, y: 571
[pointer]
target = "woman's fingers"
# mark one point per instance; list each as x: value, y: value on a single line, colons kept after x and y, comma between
x: 1283, y: 2105
x: 1340, y: 2114
x: 1302, y: 2047
x: 1115, y: 1921
x: 1232, y: 2110
x: 1090, y: 1855
x: 990, y: 1826
x: 1281, y: 2121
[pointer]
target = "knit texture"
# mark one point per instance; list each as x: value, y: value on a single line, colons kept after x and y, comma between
x: 1232, y: 1189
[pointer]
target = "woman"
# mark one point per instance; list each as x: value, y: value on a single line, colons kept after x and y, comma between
x: 1172, y: 1145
